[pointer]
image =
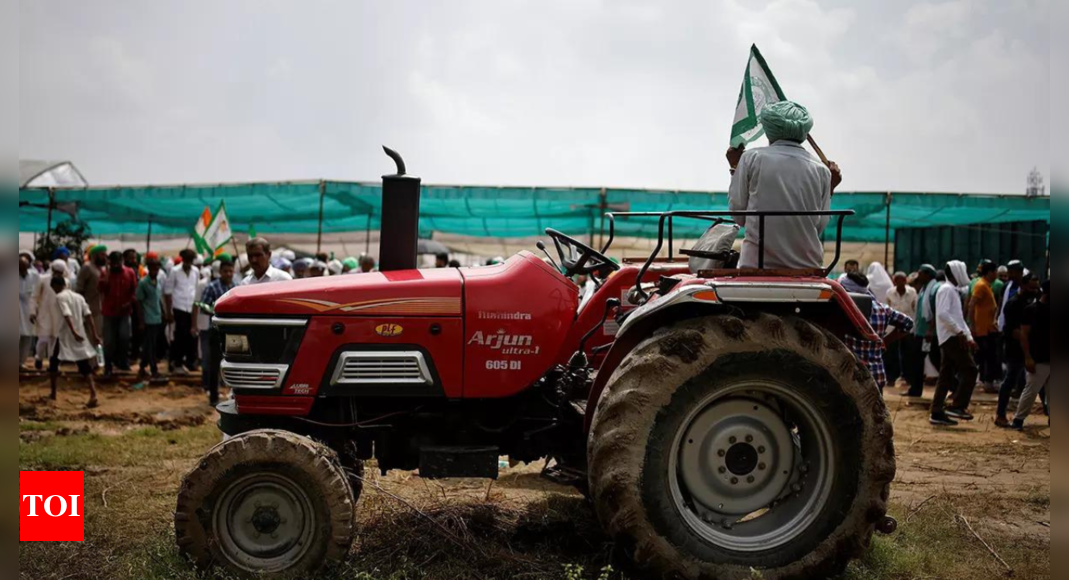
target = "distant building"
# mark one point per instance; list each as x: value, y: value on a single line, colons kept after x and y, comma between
x: 35, y: 173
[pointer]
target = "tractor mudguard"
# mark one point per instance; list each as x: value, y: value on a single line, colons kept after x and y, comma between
x: 826, y: 303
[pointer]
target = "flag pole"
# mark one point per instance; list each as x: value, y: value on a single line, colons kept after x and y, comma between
x: 820, y: 153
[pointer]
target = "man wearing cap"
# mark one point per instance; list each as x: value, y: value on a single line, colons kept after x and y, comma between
x: 1013, y: 286
x: 44, y: 312
x: 300, y: 268
x: 924, y: 346
x: 957, y: 346
x: 88, y: 283
x: 28, y: 281
x: 1035, y: 342
x: 1000, y: 285
x: 782, y: 177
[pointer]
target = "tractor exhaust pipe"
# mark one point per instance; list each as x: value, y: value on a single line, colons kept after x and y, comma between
x: 399, y: 235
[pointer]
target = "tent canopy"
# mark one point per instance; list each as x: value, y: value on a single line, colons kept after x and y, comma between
x: 495, y: 212
x: 35, y: 173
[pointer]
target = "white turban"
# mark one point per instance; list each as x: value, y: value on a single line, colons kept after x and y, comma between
x: 960, y: 272
x: 335, y: 267
x: 59, y: 266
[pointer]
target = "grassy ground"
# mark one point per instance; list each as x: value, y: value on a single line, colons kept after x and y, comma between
x: 521, y: 527
x: 132, y: 480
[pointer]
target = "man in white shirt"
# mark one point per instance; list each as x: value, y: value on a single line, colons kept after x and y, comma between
x: 903, y: 298
x: 783, y: 177
x: 44, y: 312
x: 259, y: 255
x: 77, y: 340
x: 179, y: 294
x: 957, y: 346
x: 28, y: 280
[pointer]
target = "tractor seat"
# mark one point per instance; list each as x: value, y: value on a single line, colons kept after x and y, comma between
x: 864, y: 303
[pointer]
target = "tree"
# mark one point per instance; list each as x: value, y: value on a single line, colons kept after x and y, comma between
x: 71, y: 234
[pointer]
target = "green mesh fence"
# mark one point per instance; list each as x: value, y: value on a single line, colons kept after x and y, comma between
x: 496, y: 212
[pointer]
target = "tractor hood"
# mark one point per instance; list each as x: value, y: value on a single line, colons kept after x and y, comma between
x: 400, y: 293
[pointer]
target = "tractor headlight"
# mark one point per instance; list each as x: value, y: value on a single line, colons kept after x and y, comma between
x: 237, y: 344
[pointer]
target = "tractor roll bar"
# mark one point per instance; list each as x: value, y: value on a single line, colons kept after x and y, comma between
x: 718, y: 217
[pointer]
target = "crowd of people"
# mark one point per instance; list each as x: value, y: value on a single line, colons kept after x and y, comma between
x: 989, y: 330
x: 113, y: 310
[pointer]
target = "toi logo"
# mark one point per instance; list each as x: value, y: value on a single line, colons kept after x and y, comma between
x: 52, y: 506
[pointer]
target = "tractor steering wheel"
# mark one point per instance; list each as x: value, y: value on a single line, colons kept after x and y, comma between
x: 578, y: 258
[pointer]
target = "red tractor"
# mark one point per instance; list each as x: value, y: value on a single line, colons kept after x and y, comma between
x: 715, y: 419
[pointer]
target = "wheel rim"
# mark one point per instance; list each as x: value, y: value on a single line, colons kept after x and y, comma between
x: 265, y: 522
x: 752, y: 466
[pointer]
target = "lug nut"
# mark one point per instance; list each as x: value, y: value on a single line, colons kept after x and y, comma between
x: 762, y: 467
x: 722, y: 453
x: 749, y: 438
x: 733, y: 440
x: 750, y: 479
x: 734, y: 481
x: 274, y: 536
x: 761, y: 450
x: 723, y: 470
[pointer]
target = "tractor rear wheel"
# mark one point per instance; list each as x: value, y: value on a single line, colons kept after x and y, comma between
x: 723, y: 446
x: 266, y: 504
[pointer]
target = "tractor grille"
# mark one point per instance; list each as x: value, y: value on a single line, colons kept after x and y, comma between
x: 253, y: 376
x: 382, y: 368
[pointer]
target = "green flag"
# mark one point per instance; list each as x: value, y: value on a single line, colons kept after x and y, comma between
x: 759, y: 88
x: 200, y: 228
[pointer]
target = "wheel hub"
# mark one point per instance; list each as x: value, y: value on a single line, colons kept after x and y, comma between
x: 753, y: 466
x: 737, y: 457
x: 742, y: 459
x: 264, y: 522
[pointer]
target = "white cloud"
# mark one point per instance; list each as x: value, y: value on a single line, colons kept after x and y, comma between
x: 928, y: 28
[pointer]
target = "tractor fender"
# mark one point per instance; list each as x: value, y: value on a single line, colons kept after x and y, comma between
x: 835, y: 310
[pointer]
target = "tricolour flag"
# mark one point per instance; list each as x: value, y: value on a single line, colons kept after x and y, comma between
x: 218, y: 234
x: 759, y: 88
x: 201, y: 227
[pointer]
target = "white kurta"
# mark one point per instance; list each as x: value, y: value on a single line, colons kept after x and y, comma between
x: 782, y: 177
x: 46, y: 308
x: 26, y: 290
x: 74, y: 306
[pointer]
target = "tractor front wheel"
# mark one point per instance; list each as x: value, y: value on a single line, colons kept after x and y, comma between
x: 266, y: 504
x: 723, y: 446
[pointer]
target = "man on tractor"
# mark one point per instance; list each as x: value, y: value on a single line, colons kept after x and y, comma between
x: 783, y: 177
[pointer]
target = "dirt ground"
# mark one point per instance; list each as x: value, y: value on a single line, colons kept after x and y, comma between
x: 972, y: 502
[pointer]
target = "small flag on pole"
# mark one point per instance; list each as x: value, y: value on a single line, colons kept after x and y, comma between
x: 218, y: 234
x: 759, y: 88
x: 203, y: 222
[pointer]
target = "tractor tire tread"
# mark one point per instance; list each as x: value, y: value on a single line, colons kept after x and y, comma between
x: 652, y: 376
x: 264, y: 446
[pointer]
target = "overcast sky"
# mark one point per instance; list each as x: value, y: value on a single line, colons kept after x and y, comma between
x: 907, y: 95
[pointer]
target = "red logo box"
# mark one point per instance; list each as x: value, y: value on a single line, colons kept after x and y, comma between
x: 52, y: 506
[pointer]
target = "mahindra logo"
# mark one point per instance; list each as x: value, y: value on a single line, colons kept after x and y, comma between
x: 52, y: 506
